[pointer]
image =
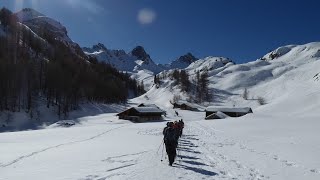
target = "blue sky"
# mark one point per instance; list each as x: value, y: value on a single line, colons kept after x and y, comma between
x: 242, y: 30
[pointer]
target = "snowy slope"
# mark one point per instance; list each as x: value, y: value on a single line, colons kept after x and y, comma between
x: 209, y: 63
x: 266, y: 78
x: 269, y: 78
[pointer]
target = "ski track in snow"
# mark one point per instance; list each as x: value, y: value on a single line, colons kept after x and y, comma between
x: 56, y: 146
x: 195, y: 155
x: 190, y: 161
x: 124, y: 166
x: 253, y: 172
x: 226, y: 164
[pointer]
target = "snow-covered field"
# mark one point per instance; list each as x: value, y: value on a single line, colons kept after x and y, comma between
x: 262, y: 145
x: 280, y: 140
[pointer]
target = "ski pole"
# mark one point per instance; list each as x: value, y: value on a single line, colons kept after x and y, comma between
x: 160, y: 146
x: 162, y: 151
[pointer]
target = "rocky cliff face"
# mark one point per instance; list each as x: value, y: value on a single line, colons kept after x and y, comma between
x: 140, y: 53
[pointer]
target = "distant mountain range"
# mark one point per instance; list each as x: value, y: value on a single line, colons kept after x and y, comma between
x: 135, y: 60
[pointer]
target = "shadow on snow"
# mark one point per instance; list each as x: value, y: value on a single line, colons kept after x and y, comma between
x: 191, y: 163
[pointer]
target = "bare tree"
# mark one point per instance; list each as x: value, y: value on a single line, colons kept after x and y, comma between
x: 176, y: 98
x: 261, y: 100
x: 245, y: 94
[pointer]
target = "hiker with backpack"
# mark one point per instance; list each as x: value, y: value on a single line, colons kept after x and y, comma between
x: 181, y: 124
x: 178, y: 126
x: 170, y: 142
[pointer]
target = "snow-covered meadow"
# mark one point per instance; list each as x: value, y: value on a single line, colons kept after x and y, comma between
x: 258, y: 146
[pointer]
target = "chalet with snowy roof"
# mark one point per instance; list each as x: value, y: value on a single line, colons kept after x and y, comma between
x: 218, y: 112
x: 184, y: 105
x: 141, y: 114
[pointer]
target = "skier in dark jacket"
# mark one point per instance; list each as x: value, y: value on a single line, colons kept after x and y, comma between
x: 170, y: 142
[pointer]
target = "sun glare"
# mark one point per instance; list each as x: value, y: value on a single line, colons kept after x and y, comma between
x: 34, y: 3
x: 19, y: 4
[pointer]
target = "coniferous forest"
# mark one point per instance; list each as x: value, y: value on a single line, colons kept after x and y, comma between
x: 33, y: 68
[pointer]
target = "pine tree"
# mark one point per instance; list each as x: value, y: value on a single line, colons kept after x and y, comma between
x: 184, y: 79
x: 204, y: 83
x: 202, y: 89
x: 176, y: 76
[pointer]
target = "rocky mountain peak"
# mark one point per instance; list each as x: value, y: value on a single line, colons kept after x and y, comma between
x: 140, y: 53
x: 99, y: 46
x: 187, y: 58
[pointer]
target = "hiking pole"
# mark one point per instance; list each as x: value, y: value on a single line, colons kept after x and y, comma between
x: 162, y: 151
x: 160, y: 146
x: 178, y: 154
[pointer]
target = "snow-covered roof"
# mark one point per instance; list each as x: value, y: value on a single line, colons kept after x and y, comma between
x: 144, y: 110
x: 181, y: 102
x: 148, y: 105
x: 148, y: 110
x: 228, y: 109
x: 217, y: 115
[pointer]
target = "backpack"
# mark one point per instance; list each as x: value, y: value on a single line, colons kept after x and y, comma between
x: 169, y: 135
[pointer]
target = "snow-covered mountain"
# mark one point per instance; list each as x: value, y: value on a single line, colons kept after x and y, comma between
x: 133, y: 61
x: 270, y: 77
x: 139, y: 63
x: 182, y: 62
